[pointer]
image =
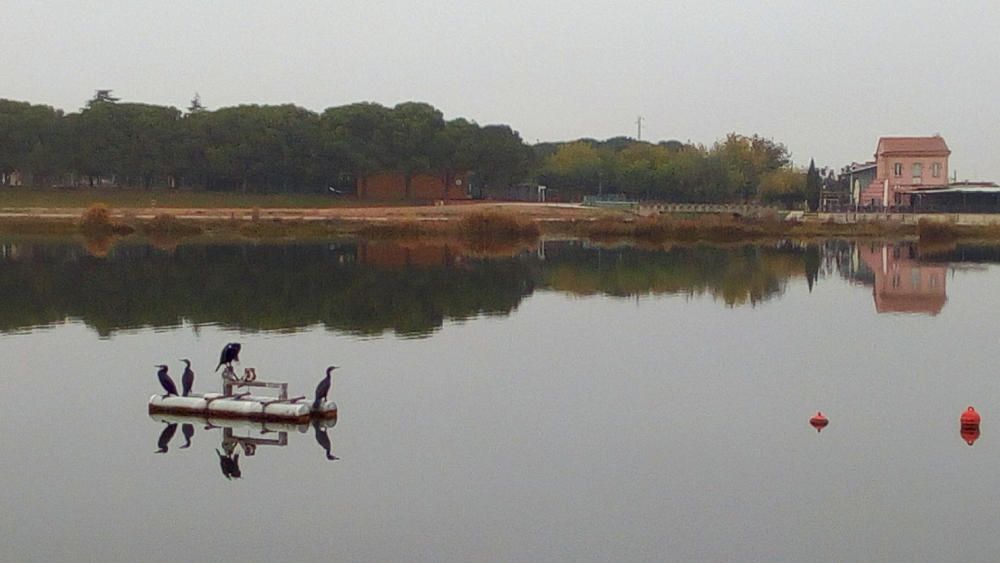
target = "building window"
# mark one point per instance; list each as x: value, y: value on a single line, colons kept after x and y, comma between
x: 918, y: 169
x: 936, y: 169
x: 897, y: 169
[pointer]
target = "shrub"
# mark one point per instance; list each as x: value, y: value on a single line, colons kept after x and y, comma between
x: 96, y: 221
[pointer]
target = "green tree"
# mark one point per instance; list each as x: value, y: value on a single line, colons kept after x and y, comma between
x: 416, y: 129
x: 31, y: 138
x: 784, y: 185
x: 573, y: 165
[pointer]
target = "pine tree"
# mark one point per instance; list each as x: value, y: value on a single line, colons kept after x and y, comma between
x: 196, y: 105
x: 813, y: 184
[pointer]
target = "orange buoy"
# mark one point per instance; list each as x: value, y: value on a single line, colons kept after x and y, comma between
x: 970, y: 418
x: 969, y: 433
x: 819, y: 421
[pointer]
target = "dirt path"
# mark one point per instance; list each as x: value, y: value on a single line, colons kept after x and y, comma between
x: 538, y: 211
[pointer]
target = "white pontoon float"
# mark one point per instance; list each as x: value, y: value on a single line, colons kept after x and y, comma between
x: 244, y: 405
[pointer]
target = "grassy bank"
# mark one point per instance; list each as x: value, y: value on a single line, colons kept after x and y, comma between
x: 719, y: 228
x: 483, y: 225
x: 131, y: 198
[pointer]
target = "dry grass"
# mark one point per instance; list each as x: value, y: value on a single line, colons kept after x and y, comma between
x: 480, y: 228
x: 400, y: 229
x: 936, y: 231
x: 167, y: 225
x: 30, y: 226
x: 944, y: 233
x: 497, y: 226
x: 711, y: 228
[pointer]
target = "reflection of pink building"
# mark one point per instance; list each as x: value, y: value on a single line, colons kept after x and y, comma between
x: 905, y: 164
x: 903, y: 285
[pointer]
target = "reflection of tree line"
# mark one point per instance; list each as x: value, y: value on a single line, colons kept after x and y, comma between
x: 737, y: 276
x: 364, y: 288
x: 252, y: 287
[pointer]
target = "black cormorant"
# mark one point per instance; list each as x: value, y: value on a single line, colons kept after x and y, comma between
x: 187, y: 430
x: 323, y: 388
x: 165, y: 437
x: 230, y: 354
x: 166, y: 382
x: 323, y: 440
x: 187, y: 380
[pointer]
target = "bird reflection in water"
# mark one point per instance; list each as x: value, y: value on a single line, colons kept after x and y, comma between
x: 242, y: 439
x: 165, y: 437
x: 188, y: 431
x: 323, y: 440
x: 230, y: 463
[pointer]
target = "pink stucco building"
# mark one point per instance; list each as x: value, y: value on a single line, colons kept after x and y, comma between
x: 905, y: 165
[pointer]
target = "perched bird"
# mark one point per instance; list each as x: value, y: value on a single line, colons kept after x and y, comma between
x: 230, y: 354
x: 187, y: 380
x: 230, y: 465
x: 323, y: 440
x: 165, y: 381
x: 165, y: 437
x: 188, y: 431
x: 323, y: 388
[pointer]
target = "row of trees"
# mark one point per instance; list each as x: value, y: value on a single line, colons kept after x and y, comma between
x: 250, y: 147
x: 289, y: 148
x: 738, y: 168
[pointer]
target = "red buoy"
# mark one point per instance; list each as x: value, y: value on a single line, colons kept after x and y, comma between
x: 819, y: 421
x: 970, y: 418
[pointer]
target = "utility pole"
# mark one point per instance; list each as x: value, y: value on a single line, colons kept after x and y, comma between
x: 638, y: 123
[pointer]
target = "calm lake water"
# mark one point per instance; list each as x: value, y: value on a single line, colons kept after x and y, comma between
x: 572, y: 403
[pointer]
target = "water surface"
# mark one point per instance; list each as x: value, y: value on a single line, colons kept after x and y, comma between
x: 569, y: 403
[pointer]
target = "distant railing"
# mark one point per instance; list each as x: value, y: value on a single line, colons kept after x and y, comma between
x: 750, y: 210
x: 617, y: 201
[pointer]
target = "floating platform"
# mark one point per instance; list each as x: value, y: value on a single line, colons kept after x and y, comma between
x: 234, y: 404
x: 242, y: 406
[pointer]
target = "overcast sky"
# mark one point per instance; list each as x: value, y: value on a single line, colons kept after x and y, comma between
x: 825, y: 78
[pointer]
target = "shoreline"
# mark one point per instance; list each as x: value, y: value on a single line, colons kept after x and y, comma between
x: 451, y: 221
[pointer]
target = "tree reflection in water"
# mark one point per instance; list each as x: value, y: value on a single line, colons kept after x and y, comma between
x: 368, y: 288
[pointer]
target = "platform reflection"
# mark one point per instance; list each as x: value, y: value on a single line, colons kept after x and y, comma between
x: 240, y: 437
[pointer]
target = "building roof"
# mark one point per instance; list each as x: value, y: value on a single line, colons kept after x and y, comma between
x: 922, y: 146
x: 856, y: 167
x: 958, y: 188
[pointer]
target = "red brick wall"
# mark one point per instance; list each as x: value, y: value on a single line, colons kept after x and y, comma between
x: 389, y: 186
